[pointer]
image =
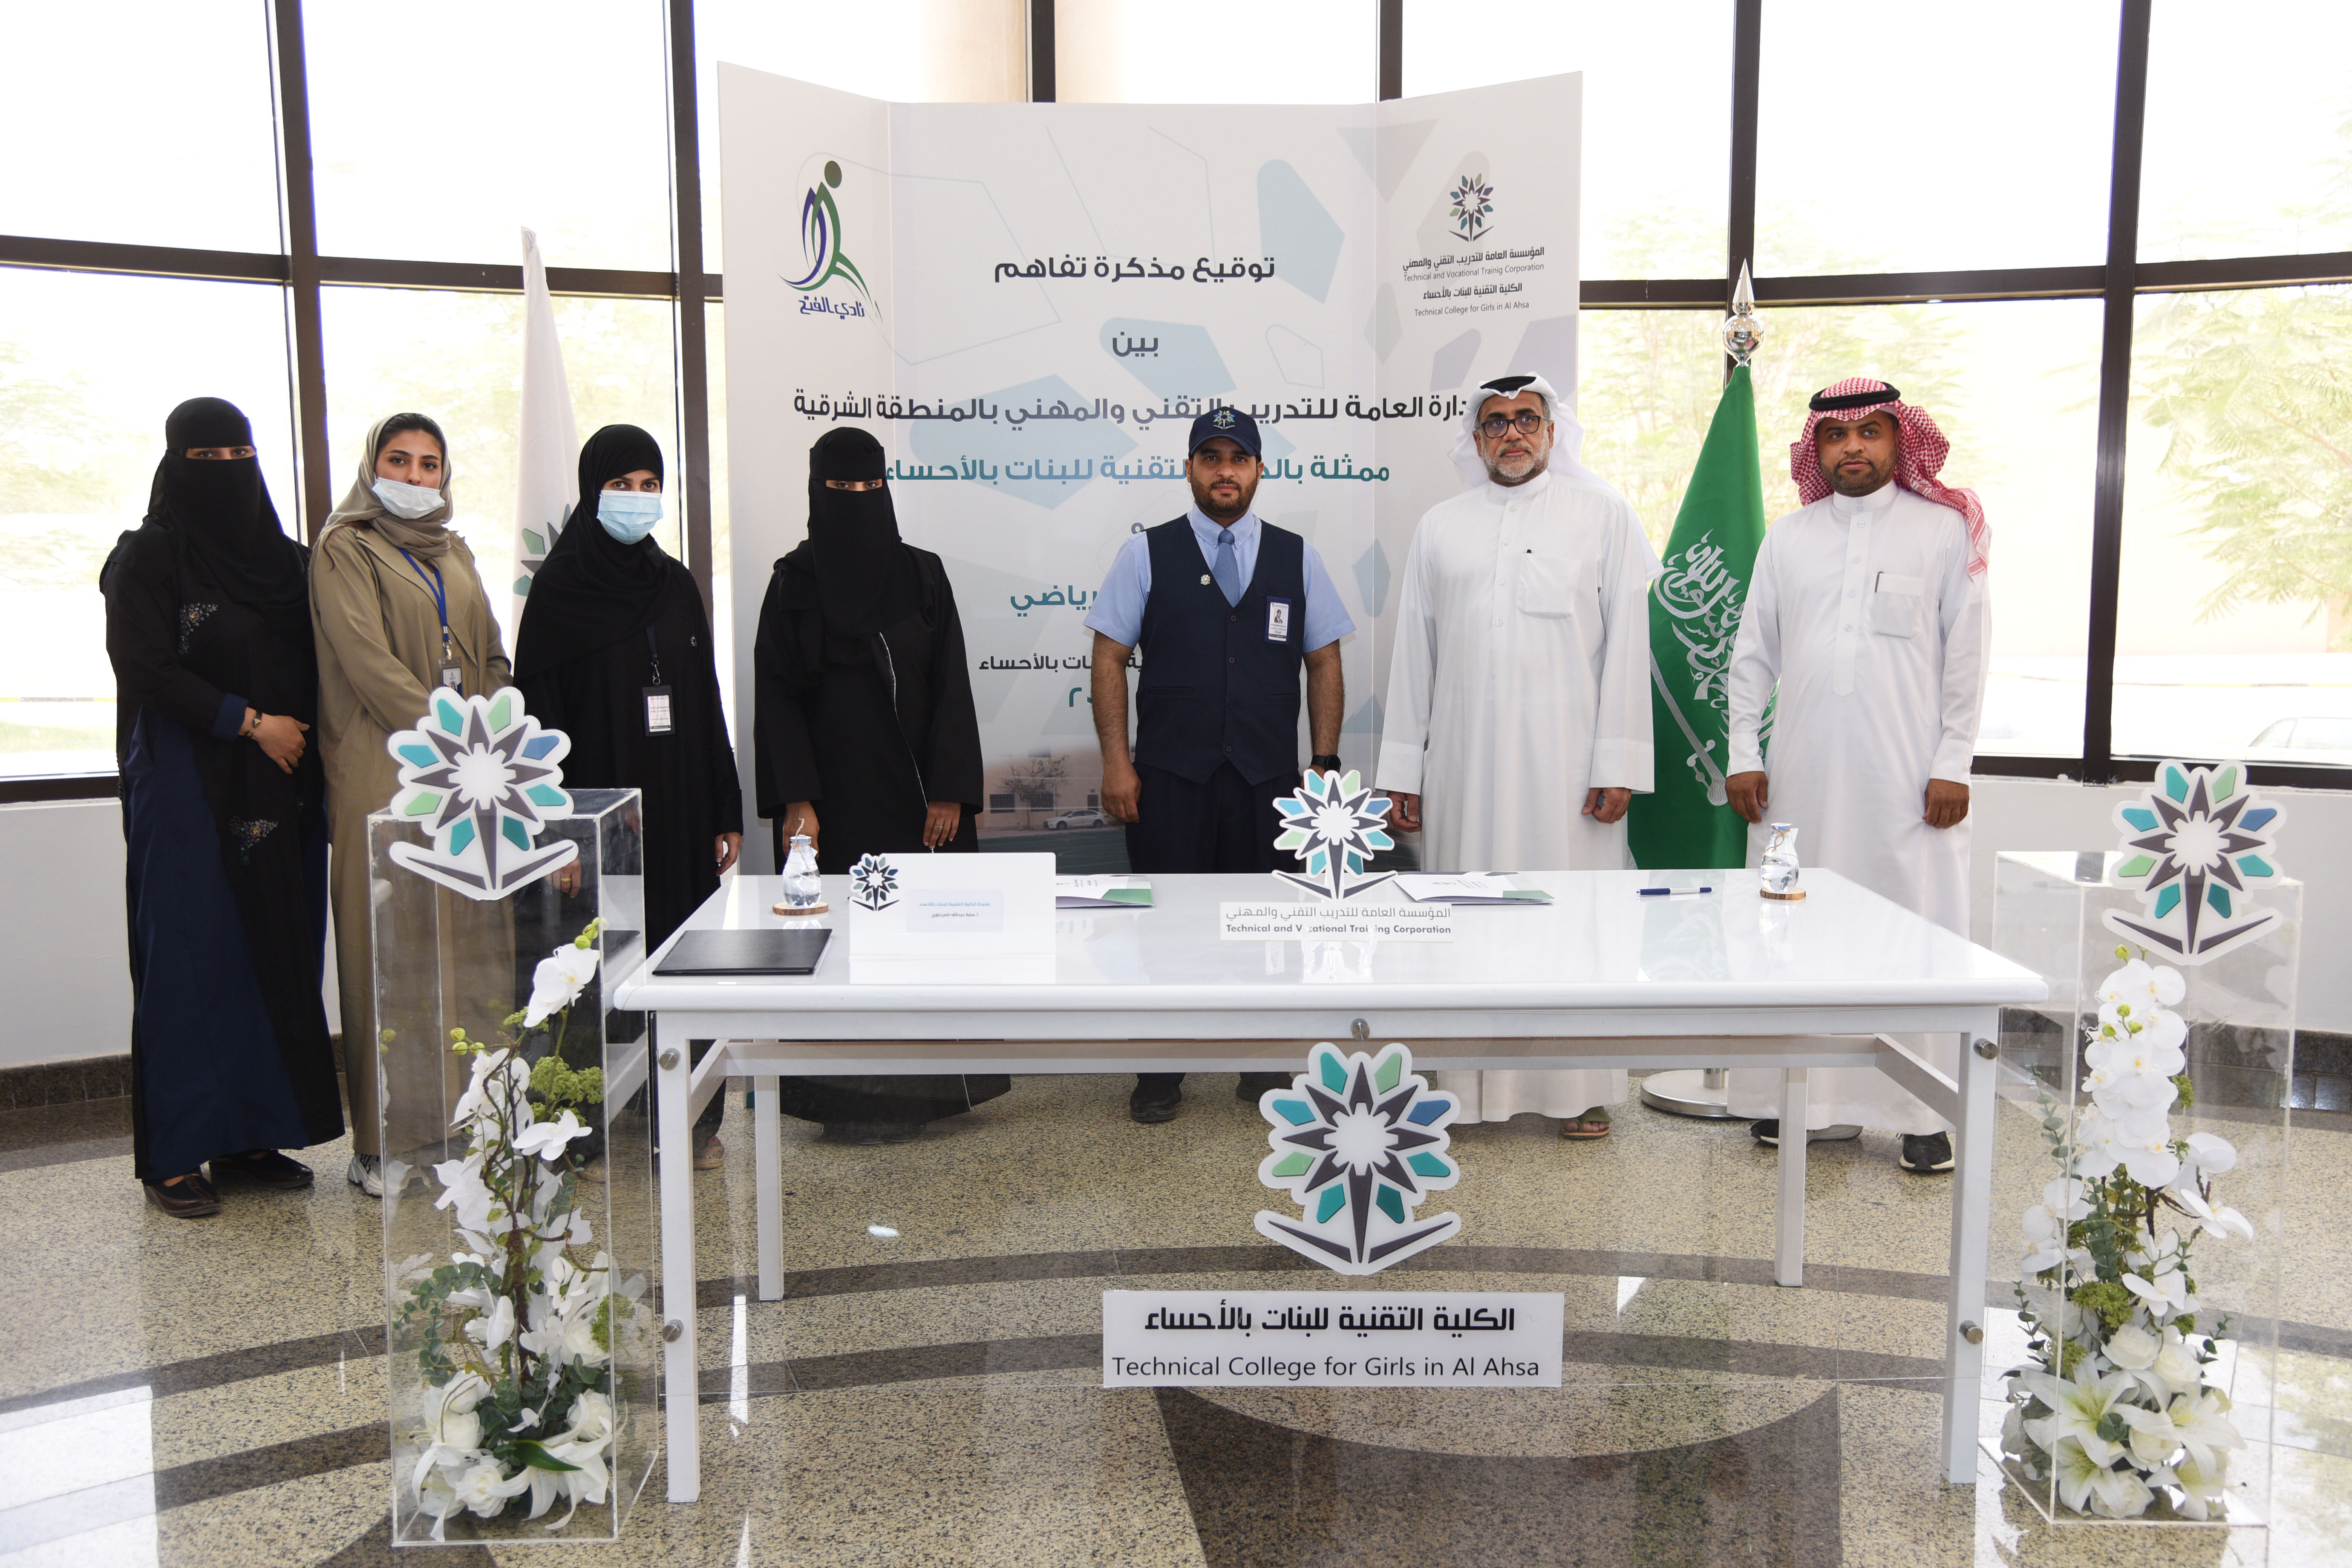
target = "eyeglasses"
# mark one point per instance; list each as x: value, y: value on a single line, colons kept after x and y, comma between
x: 1527, y: 423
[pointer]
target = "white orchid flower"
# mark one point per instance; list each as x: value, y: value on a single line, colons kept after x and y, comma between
x: 2165, y: 1294
x: 546, y: 1139
x: 2077, y: 1408
x: 2214, y: 1156
x: 558, y: 982
x: 2087, y: 1485
x: 2201, y: 1420
x: 496, y: 1327
x: 2044, y: 1241
x: 2144, y: 987
x: 2068, y: 1196
x: 2149, y: 1160
x: 480, y: 1087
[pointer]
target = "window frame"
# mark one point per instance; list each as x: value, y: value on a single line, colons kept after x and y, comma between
x: 303, y: 272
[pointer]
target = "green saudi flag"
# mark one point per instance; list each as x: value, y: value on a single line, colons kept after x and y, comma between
x: 1694, y: 609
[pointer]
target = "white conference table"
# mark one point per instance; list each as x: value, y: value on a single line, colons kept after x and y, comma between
x: 1599, y: 978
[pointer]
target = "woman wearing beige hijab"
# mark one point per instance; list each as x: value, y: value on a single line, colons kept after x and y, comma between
x: 400, y: 613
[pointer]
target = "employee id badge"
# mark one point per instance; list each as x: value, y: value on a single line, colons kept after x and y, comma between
x: 657, y: 709
x: 1277, y: 620
x: 453, y: 677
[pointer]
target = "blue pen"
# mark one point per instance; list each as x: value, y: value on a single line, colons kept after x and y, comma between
x: 1670, y: 892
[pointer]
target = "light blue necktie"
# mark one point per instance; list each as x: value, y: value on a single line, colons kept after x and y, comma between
x: 1228, y: 570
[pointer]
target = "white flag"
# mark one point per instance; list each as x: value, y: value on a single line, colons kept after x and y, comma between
x: 547, y: 475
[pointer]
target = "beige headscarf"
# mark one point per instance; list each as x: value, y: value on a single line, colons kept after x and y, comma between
x: 426, y: 536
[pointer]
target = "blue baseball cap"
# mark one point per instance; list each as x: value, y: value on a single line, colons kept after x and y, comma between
x: 1232, y: 423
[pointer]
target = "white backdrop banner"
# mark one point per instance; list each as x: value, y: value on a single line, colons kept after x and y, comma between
x: 1027, y: 304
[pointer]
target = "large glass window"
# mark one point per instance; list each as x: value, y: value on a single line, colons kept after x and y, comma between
x: 145, y: 122
x: 2235, y: 636
x: 89, y: 366
x: 439, y: 129
x: 1647, y: 385
x: 2248, y: 149
x: 459, y: 357
x: 1214, y: 51
x: 2012, y: 385
x: 1657, y: 121
x: 1929, y: 138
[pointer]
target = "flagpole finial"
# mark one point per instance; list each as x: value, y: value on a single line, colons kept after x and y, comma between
x: 1742, y: 333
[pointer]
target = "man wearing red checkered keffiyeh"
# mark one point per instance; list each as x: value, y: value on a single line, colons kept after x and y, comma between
x: 1865, y: 634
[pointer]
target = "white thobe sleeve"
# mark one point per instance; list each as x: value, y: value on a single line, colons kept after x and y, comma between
x: 1412, y: 675
x: 1966, y: 607
x: 1755, y: 662
x: 1622, y: 756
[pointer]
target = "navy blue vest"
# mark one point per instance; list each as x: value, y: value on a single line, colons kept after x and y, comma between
x: 1215, y: 688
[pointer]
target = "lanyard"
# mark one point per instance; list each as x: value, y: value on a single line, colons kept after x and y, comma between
x: 440, y: 596
x: 655, y: 652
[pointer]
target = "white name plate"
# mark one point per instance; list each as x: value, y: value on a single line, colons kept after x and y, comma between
x: 1258, y: 921
x: 1331, y: 1339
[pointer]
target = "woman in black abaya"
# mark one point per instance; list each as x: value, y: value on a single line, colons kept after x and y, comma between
x: 615, y: 650
x: 866, y: 740
x: 208, y: 627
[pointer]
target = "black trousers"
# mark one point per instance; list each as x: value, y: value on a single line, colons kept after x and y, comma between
x: 1226, y: 825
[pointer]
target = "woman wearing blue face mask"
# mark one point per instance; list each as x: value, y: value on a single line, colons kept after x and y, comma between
x: 615, y: 650
x: 400, y: 614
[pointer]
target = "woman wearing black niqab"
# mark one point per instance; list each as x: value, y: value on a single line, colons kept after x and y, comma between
x: 610, y: 618
x: 208, y: 627
x: 865, y: 736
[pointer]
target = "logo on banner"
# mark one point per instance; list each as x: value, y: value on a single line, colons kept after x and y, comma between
x: 1473, y: 199
x: 874, y: 884
x: 1358, y: 1142
x: 821, y: 238
x: 2196, y: 846
x: 480, y: 774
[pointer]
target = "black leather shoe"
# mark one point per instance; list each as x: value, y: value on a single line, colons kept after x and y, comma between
x: 1927, y: 1154
x: 1253, y: 1084
x: 266, y: 1166
x: 189, y: 1197
x: 1153, y: 1103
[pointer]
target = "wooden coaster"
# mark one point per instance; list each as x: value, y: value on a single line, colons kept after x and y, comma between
x: 819, y: 907
x: 1788, y: 897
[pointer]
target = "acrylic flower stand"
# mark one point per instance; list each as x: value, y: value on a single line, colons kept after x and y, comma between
x: 2147, y: 1349
x: 518, y: 1212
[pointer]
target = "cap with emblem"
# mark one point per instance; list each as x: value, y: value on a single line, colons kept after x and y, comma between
x: 1232, y: 423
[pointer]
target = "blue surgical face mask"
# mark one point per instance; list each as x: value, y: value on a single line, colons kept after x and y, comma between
x: 628, y: 515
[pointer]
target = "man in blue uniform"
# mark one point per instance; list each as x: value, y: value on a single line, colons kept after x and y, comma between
x: 1227, y: 610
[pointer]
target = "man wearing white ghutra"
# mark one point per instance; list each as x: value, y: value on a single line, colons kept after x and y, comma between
x: 1519, y: 703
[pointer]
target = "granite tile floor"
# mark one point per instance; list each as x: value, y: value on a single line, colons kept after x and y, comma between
x: 214, y: 1392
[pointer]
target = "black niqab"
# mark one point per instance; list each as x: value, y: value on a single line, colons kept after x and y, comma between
x: 221, y: 510
x: 593, y: 591
x: 866, y: 580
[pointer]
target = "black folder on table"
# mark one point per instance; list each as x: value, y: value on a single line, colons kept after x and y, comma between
x: 792, y: 951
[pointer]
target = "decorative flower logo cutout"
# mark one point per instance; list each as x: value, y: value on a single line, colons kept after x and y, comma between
x: 2197, y: 845
x: 874, y: 883
x: 1473, y: 199
x: 1358, y: 1142
x: 481, y: 776
x: 1333, y: 822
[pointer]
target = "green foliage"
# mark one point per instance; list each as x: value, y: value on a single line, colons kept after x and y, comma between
x: 560, y: 1085
x: 2110, y: 1301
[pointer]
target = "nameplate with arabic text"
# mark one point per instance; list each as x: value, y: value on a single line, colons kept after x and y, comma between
x: 1258, y: 920
x: 1331, y: 1339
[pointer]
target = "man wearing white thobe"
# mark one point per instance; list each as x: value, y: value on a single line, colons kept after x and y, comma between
x: 1868, y: 610
x: 1519, y: 698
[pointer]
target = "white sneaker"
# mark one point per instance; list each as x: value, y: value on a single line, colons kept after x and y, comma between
x: 366, y: 1172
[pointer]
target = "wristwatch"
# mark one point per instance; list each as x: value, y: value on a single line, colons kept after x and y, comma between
x: 1326, y: 764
